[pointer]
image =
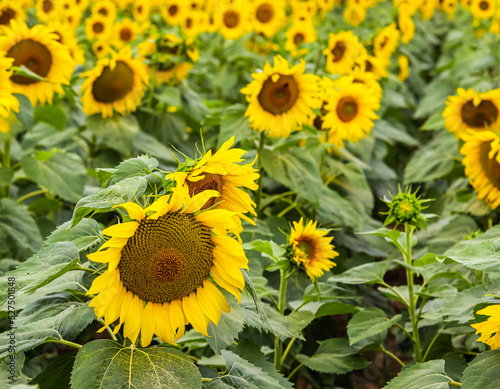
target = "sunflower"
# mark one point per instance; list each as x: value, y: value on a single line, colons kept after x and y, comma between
x: 482, y: 9
x: 141, y: 11
x: 376, y: 65
x: 482, y: 165
x: 351, y: 110
x: 73, y: 17
x: 268, y: 17
x: 66, y: 36
x: 47, y: 10
x: 193, y: 25
x: 489, y: 329
x: 368, y: 79
x: 115, y: 83
x: 7, y: 100
x: 98, y: 27
x: 406, y: 26
x: 281, y: 97
x: 342, y: 51
x: 312, y: 248
x: 354, y: 14
x: 38, y: 50
x: 100, y: 49
x: 157, y: 279
x: 427, y: 9
x: 404, y: 70
x: 105, y: 8
x: 233, y: 22
x: 386, y: 41
x: 222, y: 172
x: 125, y: 32
x: 471, y: 111
x: 173, y: 11
x: 298, y: 34
x: 11, y: 10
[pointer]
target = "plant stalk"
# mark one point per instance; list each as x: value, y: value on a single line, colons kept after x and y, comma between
x: 258, y: 196
x: 278, y: 344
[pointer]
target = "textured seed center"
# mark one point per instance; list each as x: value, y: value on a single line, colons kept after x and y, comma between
x: 280, y: 96
x: 6, y: 15
x: 347, y: 109
x: 33, y: 55
x: 479, y: 116
x: 265, y: 13
x: 113, y: 85
x: 338, y: 51
x: 231, y: 19
x: 490, y: 166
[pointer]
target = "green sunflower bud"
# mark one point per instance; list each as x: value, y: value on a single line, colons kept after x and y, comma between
x: 405, y: 208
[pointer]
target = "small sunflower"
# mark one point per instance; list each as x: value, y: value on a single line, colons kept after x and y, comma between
x: 105, y: 9
x: 482, y: 9
x: 38, y: 50
x: 404, y: 69
x: 489, y: 329
x: 268, y: 17
x: 354, y: 14
x: 11, y: 10
x: 222, y: 172
x: 482, y: 165
x: 472, y: 112
x: 98, y: 27
x: 125, y: 32
x: 174, y: 11
x: 47, y: 10
x: 386, y: 41
x: 234, y: 21
x: 281, y: 97
x: 342, y: 51
x: 298, y: 34
x: 8, y: 102
x: 100, y: 49
x: 157, y: 279
x: 141, y: 11
x: 351, y: 111
x: 115, y: 83
x: 193, y: 25
x: 311, y: 248
x: 427, y: 9
x: 376, y: 65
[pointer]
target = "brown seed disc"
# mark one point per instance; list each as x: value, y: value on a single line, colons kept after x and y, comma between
x: 490, y: 165
x: 265, y: 13
x: 338, y: 51
x: 483, y: 114
x: 33, y: 55
x: 347, y: 108
x: 210, y: 182
x: 280, y: 96
x: 231, y: 19
x: 113, y: 85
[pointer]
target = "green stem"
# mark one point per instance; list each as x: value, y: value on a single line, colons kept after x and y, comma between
x: 385, y: 351
x: 278, y: 344
x: 393, y: 290
x: 287, y: 350
x: 258, y: 197
x: 412, y: 308
x: 31, y: 194
x: 455, y: 383
x: 294, y: 371
x: 78, y: 267
x: 65, y: 342
x: 109, y: 329
x: 430, y: 345
x: 404, y: 330
x: 206, y: 379
x: 6, y: 164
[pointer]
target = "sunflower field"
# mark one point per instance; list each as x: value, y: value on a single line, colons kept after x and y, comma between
x: 250, y: 194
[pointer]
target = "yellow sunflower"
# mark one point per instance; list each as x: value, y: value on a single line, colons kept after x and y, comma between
x: 406, y: 26
x: 354, y: 14
x: 368, y: 79
x: 157, y: 279
x: 386, y: 41
x: 351, y: 111
x: 11, y: 10
x: 115, y: 83
x: 105, y: 8
x: 268, y: 17
x: 141, y: 11
x: 311, y: 248
x: 281, y: 97
x: 298, y: 34
x: 73, y: 17
x: 376, y: 65
x: 125, y: 32
x: 471, y: 111
x: 465, y: 3
x: 98, y: 27
x: 482, y: 9
x: 47, y: 10
x: 234, y: 20
x: 174, y: 11
x: 193, y: 25
x: 224, y: 173
x: 8, y: 102
x: 342, y: 51
x: 489, y: 329
x: 427, y: 9
x: 482, y: 165
x: 404, y: 69
x: 66, y: 36
x: 100, y: 49
x: 38, y: 50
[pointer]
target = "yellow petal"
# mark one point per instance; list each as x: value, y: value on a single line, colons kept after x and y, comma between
x: 176, y: 317
x: 196, y: 202
x: 103, y: 256
x: 225, y: 284
x: 217, y: 218
x: 133, y: 321
x: 101, y: 282
x: 122, y: 230
x: 147, y: 324
x: 194, y: 314
x: 135, y: 211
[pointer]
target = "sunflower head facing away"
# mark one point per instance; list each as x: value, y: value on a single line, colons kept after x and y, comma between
x: 115, y: 83
x: 471, y: 112
x: 163, y: 268
x: 311, y: 248
x: 482, y: 165
x: 281, y: 98
x: 38, y: 50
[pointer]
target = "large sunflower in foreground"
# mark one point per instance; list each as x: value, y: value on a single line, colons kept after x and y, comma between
x: 342, y: 51
x: 311, y: 248
x: 38, y: 50
x: 472, y: 112
x: 489, y: 329
x: 482, y: 165
x: 222, y: 172
x: 115, y: 83
x: 157, y: 279
x: 281, y: 97
x: 7, y: 100
x: 351, y: 111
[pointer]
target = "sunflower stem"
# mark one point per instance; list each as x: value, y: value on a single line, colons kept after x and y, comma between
x: 31, y: 194
x: 65, y: 342
x: 294, y: 371
x: 6, y: 164
x: 258, y: 197
x: 412, y: 300
x: 287, y: 350
x: 278, y: 344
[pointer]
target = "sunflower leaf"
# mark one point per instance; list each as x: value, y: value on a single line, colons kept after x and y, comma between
x: 429, y: 375
x: 365, y: 274
x: 369, y: 322
x: 57, y: 374
x: 481, y: 372
x: 84, y: 235
x: 226, y: 331
x: 106, y: 364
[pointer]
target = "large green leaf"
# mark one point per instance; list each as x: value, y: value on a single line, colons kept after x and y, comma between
x: 333, y: 208
x: 84, y: 235
x: 480, y: 253
x: 117, y: 133
x: 63, y: 174
x: 139, y: 166
x: 428, y: 375
x: 146, y: 143
x: 334, y: 308
x: 129, y: 189
x: 233, y: 122
x: 226, y: 331
x: 19, y: 234
x: 108, y: 365
x: 365, y: 274
x: 334, y: 356
x: 57, y: 374
x: 242, y: 374
x: 39, y: 270
x: 483, y: 371
x: 297, y: 169
x: 369, y: 322
x: 52, y: 115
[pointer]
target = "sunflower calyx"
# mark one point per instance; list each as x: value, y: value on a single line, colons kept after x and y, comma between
x: 405, y: 208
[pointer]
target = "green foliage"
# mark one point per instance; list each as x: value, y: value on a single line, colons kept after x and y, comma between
x: 482, y: 371
x: 429, y: 375
x: 369, y: 322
